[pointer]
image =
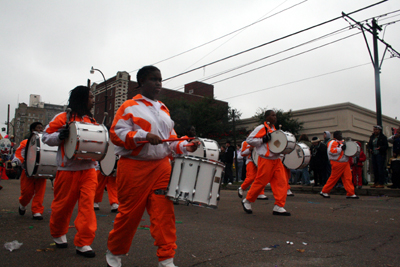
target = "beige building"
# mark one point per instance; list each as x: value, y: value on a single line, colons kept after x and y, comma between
x: 354, y: 121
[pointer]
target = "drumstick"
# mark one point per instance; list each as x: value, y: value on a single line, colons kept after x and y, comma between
x: 168, y: 140
x: 104, y: 118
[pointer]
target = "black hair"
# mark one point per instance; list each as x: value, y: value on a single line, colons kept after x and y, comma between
x: 33, y: 126
x: 336, y: 134
x: 78, y: 101
x: 268, y: 112
x: 143, y: 72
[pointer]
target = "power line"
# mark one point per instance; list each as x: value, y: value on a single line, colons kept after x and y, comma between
x: 264, y: 44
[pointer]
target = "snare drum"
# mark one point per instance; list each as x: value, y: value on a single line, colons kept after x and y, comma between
x: 299, y: 158
x: 195, y: 181
x: 282, y: 142
x: 40, y: 159
x: 108, y: 165
x: 208, y: 149
x: 254, y: 157
x: 86, y: 141
x: 352, y: 148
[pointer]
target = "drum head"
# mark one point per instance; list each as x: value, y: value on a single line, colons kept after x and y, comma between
x: 107, y: 165
x: 294, y: 159
x: 70, y: 142
x: 278, y: 142
x: 200, y: 151
x: 351, y: 148
x: 32, y: 155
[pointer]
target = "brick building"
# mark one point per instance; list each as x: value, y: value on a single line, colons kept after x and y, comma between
x: 120, y: 88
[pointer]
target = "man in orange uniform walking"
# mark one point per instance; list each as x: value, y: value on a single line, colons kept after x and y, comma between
x: 251, y: 170
x: 76, y: 180
x: 270, y: 168
x: 144, y: 170
x: 30, y: 187
x: 340, y: 167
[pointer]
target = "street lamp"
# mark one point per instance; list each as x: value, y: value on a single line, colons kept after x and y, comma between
x: 105, y: 85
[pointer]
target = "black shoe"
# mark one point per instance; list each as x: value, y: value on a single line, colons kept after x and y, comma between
x: 281, y: 213
x: 21, y: 212
x: 353, y: 197
x: 61, y: 245
x: 87, y: 254
x: 39, y: 218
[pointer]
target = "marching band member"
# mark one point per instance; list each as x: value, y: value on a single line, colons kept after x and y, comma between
x: 144, y: 170
x: 340, y: 167
x: 76, y: 180
x: 111, y: 183
x: 30, y: 187
x: 270, y: 168
x: 251, y: 170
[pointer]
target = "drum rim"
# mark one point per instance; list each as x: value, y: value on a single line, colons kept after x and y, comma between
x: 37, y: 159
x: 201, y: 159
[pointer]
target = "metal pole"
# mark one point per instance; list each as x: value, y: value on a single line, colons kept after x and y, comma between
x: 375, y: 27
x: 234, y: 143
x: 105, y: 85
x: 8, y: 119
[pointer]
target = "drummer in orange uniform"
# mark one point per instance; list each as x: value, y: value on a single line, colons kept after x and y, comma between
x: 144, y: 170
x: 30, y: 187
x: 251, y: 170
x: 270, y: 168
x: 340, y: 167
x: 76, y: 180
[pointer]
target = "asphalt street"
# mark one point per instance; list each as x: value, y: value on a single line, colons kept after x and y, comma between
x: 320, y: 232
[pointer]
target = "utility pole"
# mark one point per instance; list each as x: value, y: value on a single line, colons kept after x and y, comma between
x: 8, y: 119
x: 234, y: 143
x: 375, y: 59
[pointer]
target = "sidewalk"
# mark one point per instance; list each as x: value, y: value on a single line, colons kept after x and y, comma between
x: 366, y: 190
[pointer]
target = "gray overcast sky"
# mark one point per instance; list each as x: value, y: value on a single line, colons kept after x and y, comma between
x: 48, y: 47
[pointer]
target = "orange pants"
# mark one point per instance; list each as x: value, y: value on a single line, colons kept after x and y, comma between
x: 32, y: 187
x: 340, y: 170
x: 111, y: 183
x: 270, y: 171
x: 70, y: 187
x: 137, y: 180
x: 251, y: 173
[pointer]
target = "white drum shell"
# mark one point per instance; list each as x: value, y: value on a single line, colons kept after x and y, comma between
x: 195, y: 181
x: 208, y: 149
x: 299, y: 158
x: 282, y: 142
x: 86, y: 141
x: 352, y: 149
x: 108, y: 165
x: 254, y: 156
x: 41, y: 159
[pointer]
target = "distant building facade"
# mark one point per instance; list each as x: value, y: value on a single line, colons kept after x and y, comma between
x: 120, y: 88
x: 36, y: 111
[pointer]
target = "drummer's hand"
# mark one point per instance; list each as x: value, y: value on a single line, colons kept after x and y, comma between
x: 64, y: 133
x: 153, y: 139
x: 13, y: 164
x: 251, y: 148
x: 193, y: 147
x: 344, y: 147
x: 266, y: 138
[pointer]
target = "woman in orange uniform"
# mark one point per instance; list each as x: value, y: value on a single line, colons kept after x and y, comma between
x: 270, y: 168
x: 144, y: 170
x: 30, y: 187
x: 76, y: 180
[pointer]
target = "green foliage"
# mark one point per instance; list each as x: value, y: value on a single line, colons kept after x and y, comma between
x: 211, y: 119
x: 283, y: 118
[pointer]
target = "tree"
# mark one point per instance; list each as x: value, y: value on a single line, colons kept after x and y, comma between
x: 285, y: 119
x: 211, y: 119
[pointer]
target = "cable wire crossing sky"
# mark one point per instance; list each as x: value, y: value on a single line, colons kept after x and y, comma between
x: 283, y: 54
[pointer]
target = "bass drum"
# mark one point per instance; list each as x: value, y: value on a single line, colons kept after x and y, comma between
x: 254, y: 157
x: 108, y: 165
x: 282, y: 142
x: 208, y: 149
x: 299, y: 158
x: 40, y: 159
x: 352, y: 149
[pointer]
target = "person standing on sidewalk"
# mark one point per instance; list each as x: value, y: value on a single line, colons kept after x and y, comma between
x: 31, y: 188
x: 378, y: 146
x: 340, y: 167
